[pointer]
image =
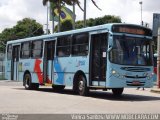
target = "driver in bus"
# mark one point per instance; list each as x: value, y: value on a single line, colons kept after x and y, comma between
x: 135, y: 57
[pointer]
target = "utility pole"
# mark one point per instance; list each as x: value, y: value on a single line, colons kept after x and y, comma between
x: 85, y: 13
x: 47, y: 18
x: 52, y: 17
x: 74, y: 16
x: 141, y: 12
x: 59, y: 17
x: 158, y: 59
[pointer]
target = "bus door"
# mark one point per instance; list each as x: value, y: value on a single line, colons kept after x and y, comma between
x: 48, y: 61
x: 15, y: 62
x: 98, y: 59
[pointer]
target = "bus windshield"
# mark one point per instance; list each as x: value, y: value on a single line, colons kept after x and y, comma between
x: 131, y: 51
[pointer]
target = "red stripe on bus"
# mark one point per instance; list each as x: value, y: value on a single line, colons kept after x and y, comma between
x: 38, y: 71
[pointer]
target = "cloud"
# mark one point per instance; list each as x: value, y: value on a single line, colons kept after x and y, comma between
x: 12, y: 11
x: 15, y: 10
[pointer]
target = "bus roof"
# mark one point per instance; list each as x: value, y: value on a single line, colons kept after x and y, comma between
x: 87, y: 29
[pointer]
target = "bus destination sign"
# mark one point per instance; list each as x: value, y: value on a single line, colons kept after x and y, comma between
x: 132, y: 30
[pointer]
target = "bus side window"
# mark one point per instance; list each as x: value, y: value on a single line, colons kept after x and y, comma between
x: 37, y: 47
x: 63, y: 46
x: 9, y: 52
x: 25, y: 50
x: 80, y: 44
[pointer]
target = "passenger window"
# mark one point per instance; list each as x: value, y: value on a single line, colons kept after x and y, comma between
x: 25, y: 50
x: 37, y: 47
x: 9, y: 52
x: 80, y: 44
x: 63, y: 46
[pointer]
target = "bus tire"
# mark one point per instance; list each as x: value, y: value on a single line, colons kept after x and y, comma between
x: 28, y: 83
x: 82, y: 86
x: 117, y: 91
x: 35, y: 86
x: 58, y: 87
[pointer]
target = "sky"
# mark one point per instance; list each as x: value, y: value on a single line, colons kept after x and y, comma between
x: 129, y: 11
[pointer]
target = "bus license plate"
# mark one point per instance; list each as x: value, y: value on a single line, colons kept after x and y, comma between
x: 136, y: 83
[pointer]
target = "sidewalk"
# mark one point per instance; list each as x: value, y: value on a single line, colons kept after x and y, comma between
x: 155, y: 89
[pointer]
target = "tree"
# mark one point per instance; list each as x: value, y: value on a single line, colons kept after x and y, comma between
x: 99, y: 21
x: 24, y: 28
x: 28, y: 28
x: 67, y: 25
x: 6, y: 35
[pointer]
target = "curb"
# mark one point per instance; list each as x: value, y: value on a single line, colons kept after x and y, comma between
x: 155, y: 90
x: 4, y: 80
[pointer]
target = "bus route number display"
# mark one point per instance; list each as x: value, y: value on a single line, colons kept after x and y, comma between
x: 131, y: 30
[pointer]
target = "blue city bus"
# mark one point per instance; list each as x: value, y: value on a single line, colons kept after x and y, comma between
x: 107, y: 57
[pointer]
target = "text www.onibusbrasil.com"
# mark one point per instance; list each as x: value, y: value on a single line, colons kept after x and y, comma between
x: 133, y: 116
x: 116, y: 116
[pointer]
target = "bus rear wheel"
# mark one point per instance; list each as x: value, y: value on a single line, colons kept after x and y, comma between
x: 117, y: 91
x: 28, y: 83
x: 82, y: 86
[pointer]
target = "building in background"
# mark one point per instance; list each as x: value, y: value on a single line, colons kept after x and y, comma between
x: 156, y: 24
x: 156, y: 37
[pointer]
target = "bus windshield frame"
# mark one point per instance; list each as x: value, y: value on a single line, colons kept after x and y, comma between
x: 132, y: 51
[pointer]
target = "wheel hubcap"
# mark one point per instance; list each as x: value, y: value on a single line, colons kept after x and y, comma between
x: 27, y: 82
x: 81, y: 85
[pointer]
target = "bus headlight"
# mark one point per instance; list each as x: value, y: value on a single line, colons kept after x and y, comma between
x: 114, y: 72
x: 117, y: 75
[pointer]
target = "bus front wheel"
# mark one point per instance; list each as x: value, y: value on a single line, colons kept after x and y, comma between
x: 28, y: 83
x: 117, y: 91
x: 82, y: 86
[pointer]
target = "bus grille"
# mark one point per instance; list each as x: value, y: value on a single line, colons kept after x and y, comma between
x: 135, y: 69
x: 135, y: 76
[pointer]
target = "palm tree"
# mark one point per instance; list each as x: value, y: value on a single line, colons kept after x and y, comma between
x: 95, y: 4
x: 59, y: 3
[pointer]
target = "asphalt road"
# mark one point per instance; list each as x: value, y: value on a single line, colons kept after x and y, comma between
x: 15, y: 99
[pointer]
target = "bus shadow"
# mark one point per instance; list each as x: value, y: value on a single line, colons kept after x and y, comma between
x: 103, y: 95
x: 123, y: 97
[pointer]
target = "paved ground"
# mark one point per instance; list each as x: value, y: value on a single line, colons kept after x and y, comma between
x: 15, y: 99
x: 155, y: 90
